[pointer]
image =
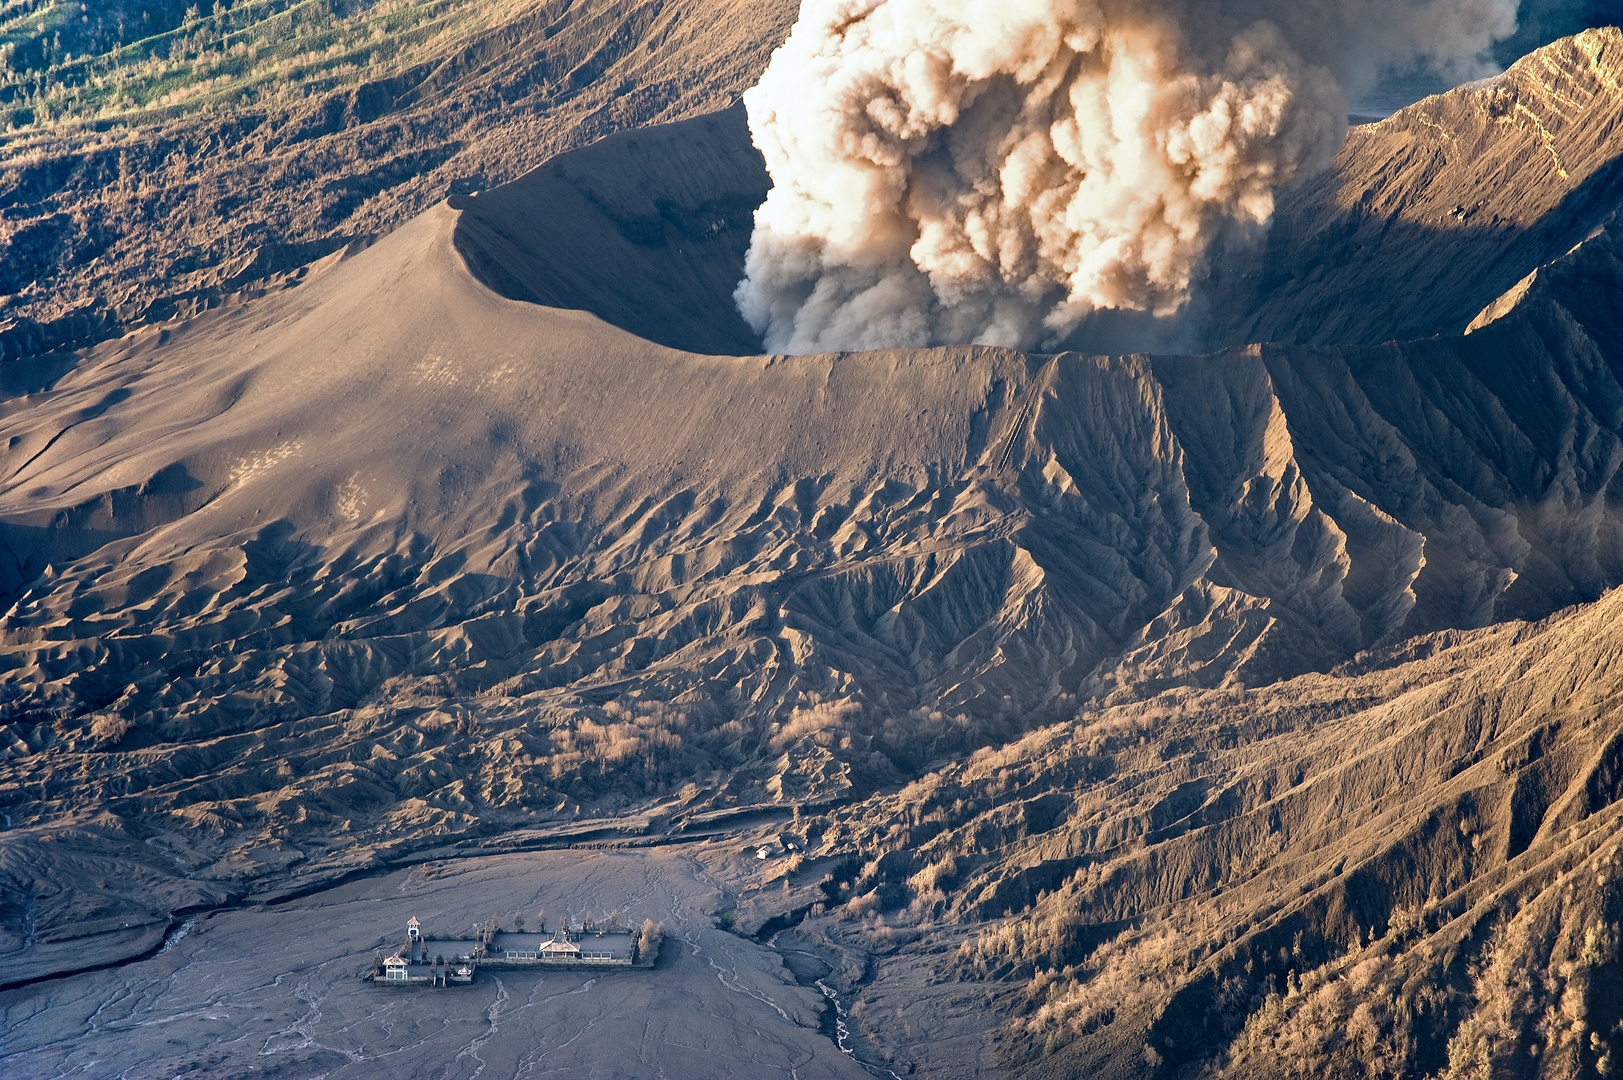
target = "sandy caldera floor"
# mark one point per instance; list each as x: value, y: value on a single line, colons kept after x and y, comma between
x: 277, y: 991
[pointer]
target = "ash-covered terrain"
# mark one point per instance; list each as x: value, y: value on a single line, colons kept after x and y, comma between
x: 157, y: 159
x: 1249, y: 713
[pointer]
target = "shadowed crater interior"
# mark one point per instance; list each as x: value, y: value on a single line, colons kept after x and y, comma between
x: 646, y: 230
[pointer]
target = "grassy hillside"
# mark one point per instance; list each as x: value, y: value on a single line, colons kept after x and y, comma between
x: 69, y: 63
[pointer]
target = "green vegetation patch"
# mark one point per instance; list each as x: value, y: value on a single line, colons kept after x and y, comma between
x: 74, y: 63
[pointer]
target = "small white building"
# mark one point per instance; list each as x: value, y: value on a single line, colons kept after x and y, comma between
x: 414, y: 929
x: 394, y: 969
x: 560, y: 948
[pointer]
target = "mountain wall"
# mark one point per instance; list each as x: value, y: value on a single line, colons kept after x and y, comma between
x: 1430, y: 214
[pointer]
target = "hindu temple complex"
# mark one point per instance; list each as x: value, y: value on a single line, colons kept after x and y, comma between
x: 437, y: 960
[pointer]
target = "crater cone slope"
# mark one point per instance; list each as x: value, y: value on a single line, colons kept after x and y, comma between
x: 124, y: 218
x: 646, y: 229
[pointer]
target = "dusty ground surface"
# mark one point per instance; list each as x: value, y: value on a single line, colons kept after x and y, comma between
x: 275, y: 990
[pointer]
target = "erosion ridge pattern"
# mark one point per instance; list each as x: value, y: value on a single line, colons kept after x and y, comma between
x: 1000, y: 532
x: 1186, y: 677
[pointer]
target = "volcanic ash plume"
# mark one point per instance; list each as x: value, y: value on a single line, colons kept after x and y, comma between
x: 995, y: 170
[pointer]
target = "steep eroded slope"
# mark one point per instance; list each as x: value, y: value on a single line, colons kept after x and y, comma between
x: 1428, y: 215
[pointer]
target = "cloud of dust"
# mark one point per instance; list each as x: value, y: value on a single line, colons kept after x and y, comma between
x: 995, y: 171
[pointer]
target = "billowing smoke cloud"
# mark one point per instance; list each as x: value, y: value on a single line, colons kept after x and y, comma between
x: 996, y: 170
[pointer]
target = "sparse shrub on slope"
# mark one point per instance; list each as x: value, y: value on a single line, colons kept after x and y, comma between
x: 641, y: 746
x: 1321, y: 905
x: 1546, y: 996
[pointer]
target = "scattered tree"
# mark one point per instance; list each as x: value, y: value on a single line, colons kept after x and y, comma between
x: 645, y: 944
